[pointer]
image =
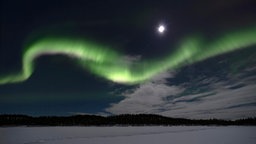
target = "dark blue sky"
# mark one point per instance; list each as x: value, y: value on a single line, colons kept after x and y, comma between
x: 219, y: 87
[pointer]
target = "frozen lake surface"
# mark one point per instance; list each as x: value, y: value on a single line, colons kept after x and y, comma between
x: 129, y: 135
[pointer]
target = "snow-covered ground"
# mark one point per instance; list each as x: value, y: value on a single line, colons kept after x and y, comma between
x: 129, y: 135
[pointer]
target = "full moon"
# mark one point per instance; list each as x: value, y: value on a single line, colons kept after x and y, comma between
x: 161, y: 29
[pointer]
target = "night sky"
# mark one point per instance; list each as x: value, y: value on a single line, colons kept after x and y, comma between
x: 177, y: 58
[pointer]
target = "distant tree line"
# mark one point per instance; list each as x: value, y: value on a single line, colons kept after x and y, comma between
x: 120, y: 120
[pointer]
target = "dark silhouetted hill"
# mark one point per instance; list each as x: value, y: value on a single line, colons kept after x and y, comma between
x: 121, y: 120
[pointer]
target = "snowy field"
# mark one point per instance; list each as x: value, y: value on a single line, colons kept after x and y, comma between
x: 129, y: 135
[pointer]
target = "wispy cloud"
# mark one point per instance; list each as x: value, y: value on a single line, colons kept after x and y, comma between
x: 147, y: 97
x: 224, y: 103
x: 202, y: 98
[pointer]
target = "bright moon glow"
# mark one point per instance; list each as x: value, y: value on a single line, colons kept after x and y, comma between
x: 113, y: 66
x: 161, y: 29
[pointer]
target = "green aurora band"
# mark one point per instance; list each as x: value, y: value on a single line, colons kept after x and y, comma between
x: 113, y: 66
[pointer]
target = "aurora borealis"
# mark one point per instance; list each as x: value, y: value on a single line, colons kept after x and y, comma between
x: 111, y: 58
x: 110, y: 65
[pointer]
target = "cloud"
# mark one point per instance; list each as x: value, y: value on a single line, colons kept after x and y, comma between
x: 202, y: 98
x: 129, y: 60
x: 224, y: 104
x: 147, y: 97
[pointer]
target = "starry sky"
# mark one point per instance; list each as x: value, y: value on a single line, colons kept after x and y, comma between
x: 177, y: 58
